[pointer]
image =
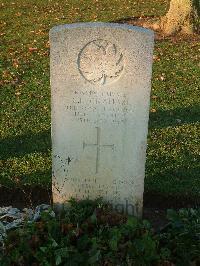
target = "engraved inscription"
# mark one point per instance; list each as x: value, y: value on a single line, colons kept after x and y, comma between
x: 92, y: 106
x: 101, y: 62
x: 98, y: 147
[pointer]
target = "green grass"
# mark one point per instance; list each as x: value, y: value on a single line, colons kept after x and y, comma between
x: 173, y: 147
x: 173, y: 165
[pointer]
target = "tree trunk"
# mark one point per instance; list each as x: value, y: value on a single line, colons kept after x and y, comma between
x: 179, y: 18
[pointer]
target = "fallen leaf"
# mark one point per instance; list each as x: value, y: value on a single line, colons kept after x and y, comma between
x: 15, y: 63
x: 156, y: 58
x: 47, y: 45
x: 162, y: 78
x: 154, y: 97
x: 32, y: 49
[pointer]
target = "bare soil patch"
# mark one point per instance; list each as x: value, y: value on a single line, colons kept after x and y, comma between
x: 150, y: 21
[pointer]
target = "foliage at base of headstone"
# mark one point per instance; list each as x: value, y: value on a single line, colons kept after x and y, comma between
x: 91, y: 233
x: 182, y: 236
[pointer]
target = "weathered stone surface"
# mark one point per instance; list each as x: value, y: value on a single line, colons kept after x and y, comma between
x: 100, y: 80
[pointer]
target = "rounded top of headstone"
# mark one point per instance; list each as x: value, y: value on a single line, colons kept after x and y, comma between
x: 101, y: 25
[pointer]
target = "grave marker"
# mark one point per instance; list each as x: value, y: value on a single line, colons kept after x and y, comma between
x: 100, y: 80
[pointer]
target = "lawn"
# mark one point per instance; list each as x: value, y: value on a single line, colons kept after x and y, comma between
x: 173, y: 164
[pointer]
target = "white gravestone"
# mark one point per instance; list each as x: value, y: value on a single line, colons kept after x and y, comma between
x: 100, y: 80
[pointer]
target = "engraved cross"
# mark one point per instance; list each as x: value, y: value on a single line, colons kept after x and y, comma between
x: 98, y: 146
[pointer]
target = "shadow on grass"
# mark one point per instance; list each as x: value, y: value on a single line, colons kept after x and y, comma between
x: 174, y: 187
x: 179, y: 116
x: 41, y: 142
x: 25, y: 144
x: 25, y: 197
x: 154, y: 199
x: 28, y: 191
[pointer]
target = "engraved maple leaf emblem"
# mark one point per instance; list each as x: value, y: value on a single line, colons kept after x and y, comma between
x: 100, y: 62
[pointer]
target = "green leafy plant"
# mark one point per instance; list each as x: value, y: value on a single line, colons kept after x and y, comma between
x: 182, y: 236
x: 91, y: 233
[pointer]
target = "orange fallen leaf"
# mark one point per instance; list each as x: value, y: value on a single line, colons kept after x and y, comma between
x: 15, y: 63
x: 156, y: 58
x: 32, y: 49
x: 47, y: 45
